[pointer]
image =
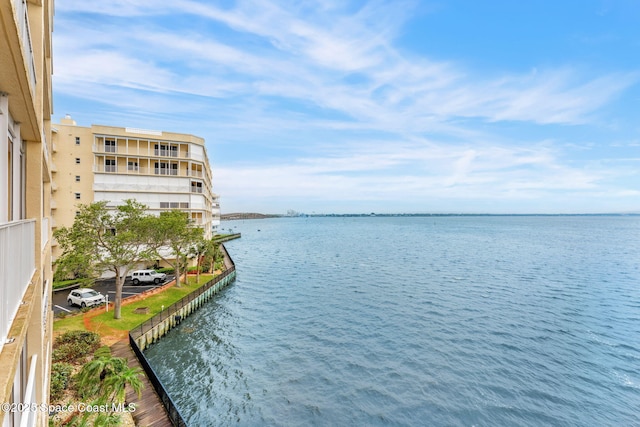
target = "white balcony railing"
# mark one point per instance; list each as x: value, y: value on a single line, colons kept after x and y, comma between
x: 17, y: 264
x: 22, y: 17
x: 44, y: 232
x: 166, y: 171
x: 45, y: 147
x: 29, y: 417
x: 45, y: 303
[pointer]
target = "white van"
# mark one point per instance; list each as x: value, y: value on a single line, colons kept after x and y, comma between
x: 147, y: 276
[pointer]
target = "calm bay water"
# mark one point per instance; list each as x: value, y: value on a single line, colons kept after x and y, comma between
x: 466, y: 321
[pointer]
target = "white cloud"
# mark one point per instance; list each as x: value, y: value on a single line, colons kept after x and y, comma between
x: 329, y: 79
x: 309, y: 60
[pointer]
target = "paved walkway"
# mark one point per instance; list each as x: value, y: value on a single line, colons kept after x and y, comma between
x: 150, y: 411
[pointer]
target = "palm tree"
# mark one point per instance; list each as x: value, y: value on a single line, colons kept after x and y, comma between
x: 116, y: 383
x: 106, y: 378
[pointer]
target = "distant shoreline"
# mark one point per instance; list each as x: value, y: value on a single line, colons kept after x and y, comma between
x: 237, y: 216
x: 246, y: 215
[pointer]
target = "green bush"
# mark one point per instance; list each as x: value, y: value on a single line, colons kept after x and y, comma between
x: 60, y: 376
x: 75, y: 345
x: 57, y: 284
x: 88, y: 337
x: 166, y: 270
x: 103, y: 351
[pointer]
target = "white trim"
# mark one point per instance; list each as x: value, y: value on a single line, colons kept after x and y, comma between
x: 30, y: 417
x: 143, y: 131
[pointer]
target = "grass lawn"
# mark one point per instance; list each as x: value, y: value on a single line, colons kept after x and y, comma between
x: 104, y: 323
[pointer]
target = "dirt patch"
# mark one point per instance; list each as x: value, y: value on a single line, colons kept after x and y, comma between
x: 109, y: 335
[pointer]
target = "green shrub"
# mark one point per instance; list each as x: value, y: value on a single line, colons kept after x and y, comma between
x: 75, y: 345
x: 78, y: 335
x: 103, y: 351
x: 57, y: 284
x: 166, y: 270
x: 60, y: 376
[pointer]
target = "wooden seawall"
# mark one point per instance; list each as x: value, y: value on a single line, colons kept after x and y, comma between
x: 155, y: 328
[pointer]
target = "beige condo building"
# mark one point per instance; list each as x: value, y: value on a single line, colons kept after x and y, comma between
x: 162, y: 170
x: 25, y: 189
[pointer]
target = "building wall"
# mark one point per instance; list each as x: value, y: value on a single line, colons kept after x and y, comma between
x: 25, y: 189
x: 162, y: 170
x: 72, y: 174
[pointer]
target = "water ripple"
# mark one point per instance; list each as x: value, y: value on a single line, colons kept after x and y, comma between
x: 417, y: 321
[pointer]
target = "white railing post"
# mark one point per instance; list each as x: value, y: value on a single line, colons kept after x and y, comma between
x: 29, y: 416
x: 44, y: 233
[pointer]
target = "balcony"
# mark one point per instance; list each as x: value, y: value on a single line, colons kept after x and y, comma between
x: 165, y: 153
x: 22, y: 18
x: 143, y: 151
x: 44, y: 232
x: 174, y: 205
x: 45, y: 146
x: 17, y: 264
x: 30, y: 418
x: 166, y: 171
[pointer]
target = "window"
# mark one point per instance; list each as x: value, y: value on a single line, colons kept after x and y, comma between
x: 164, y: 168
x: 132, y: 166
x: 110, y: 165
x: 166, y: 150
x: 77, y: 178
x: 77, y: 160
x: 110, y: 145
x: 196, y: 187
x: 77, y: 140
x: 77, y: 196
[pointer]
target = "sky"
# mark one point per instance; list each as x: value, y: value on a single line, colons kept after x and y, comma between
x: 385, y: 106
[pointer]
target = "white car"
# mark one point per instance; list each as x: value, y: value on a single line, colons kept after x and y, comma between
x: 85, y: 297
x: 147, y: 276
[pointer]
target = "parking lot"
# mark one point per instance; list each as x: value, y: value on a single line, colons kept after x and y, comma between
x: 106, y: 288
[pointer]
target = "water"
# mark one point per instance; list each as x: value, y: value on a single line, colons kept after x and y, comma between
x: 443, y: 321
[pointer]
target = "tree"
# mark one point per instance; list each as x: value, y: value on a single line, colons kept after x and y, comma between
x: 175, y: 237
x: 205, y: 251
x: 197, y: 251
x: 108, y: 240
x: 105, y: 379
x: 212, y: 254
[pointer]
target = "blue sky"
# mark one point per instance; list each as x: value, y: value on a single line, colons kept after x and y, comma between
x: 337, y: 106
